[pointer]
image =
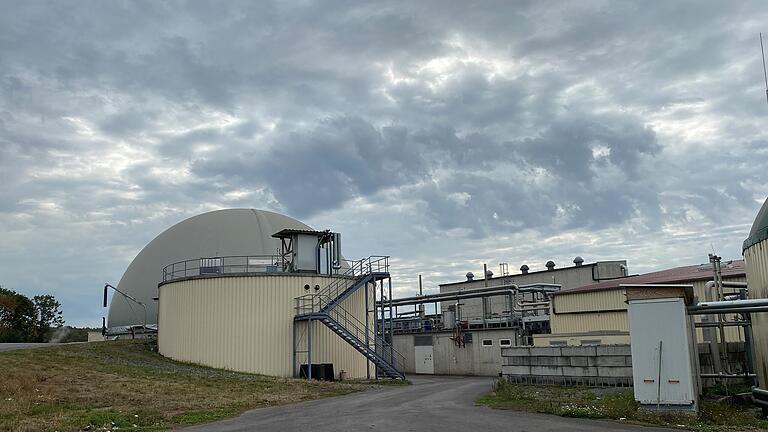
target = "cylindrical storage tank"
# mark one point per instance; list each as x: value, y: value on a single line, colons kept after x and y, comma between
x: 755, y: 251
x: 245, y: 323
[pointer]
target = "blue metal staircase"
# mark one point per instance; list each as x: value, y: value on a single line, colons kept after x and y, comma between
x: 373, y: 342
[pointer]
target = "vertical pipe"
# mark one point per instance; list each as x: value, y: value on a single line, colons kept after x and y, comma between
x: 309, y: 348
x: 367, y: 340
x: 391, y: 341
x: 383, y: 323
x: 293, y: 354
x: 748, y: 339
x: 420, y: 290
x: 375, y: 328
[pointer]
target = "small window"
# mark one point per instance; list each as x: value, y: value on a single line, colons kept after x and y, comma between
x: 558, y: 343
x: 590, y: 342
x: 505, y: 342
x: 487, y: 342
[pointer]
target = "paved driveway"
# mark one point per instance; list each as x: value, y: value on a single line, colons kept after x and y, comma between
x: 440, y: 404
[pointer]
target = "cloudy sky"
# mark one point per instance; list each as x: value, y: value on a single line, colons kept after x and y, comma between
x: 446, y: 134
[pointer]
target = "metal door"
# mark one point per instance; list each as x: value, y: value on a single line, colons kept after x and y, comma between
x: 424, y: 362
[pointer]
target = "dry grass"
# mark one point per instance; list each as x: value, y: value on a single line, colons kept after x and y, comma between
x: 124, y: 384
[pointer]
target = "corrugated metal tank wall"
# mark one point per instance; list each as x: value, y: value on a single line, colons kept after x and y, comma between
x: 757, y: 273
x: 245, y: 324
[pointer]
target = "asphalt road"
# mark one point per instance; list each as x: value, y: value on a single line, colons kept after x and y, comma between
x: 18, y: 346
x: 440, y: 404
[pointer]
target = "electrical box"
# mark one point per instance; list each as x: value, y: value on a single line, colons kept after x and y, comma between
x: 664, y: 356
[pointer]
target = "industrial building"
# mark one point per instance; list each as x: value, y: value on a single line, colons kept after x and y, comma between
x: 255, y: 291
x: 475, y: 318
x: 596, y: 314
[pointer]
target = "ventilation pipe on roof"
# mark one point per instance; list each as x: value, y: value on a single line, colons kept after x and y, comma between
x: 550, y: 265
x: 578, y: 261
x: 488, y: 274
x: 470, y: 276
x: 524, y: 269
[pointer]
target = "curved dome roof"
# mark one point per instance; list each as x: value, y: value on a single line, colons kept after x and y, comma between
x: 759, y: 231
x: 217, y: 233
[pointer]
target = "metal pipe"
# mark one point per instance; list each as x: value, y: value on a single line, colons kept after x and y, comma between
x: 727, y: 324
x: 728, y: 311
x: 730, y: 304
x: 367, y: 340
x: 391, y: 324
x: 144, y: 327
x: 711, y: 375
x: 309, y: 348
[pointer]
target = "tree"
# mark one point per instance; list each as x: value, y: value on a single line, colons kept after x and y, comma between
x: 18, y: 317
x: 48, y: 315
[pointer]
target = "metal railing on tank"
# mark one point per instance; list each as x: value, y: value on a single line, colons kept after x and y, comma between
x: 212, y: 266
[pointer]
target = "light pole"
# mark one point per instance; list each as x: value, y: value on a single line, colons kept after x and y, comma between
x: 106, y: 285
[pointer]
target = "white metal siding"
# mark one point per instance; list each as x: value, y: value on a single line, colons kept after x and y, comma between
x: 245, y: 324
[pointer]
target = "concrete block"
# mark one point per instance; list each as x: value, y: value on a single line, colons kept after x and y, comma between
x: 517, y: 361
x: 549, y: 361
x: 515, y: 370
x: 546, y: 351
x: 546, y: 370
x: 579, y: 351
x: 614, y: 372
x: 515, y: 351
x: 578, y: 361
x: 613, y: 350
x: 610, y: 361
x: 579, y: 371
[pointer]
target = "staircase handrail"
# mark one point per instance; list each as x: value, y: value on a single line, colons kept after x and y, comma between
x: 350, y: 322
x: 310, y: 303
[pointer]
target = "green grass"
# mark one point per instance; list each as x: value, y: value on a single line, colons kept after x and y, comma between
x: 619, y: 404
x: 124, y: 384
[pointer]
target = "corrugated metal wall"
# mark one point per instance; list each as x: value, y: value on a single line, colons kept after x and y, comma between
x: 606, y: 310
x: 757, y: 273
x: 245, y: 324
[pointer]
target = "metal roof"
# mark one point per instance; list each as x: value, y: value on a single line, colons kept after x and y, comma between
x: 289, y: 232
x: 668, y: 276
x: 759, y: 231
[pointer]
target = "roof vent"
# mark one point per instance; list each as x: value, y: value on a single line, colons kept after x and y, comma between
x: 550, y: 265
x: 470, y: 276
x: 488, y: 274
x: 524, y: 268
x: 578, y: 261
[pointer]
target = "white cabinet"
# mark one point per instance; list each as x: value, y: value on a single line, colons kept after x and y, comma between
x: 662, y: 353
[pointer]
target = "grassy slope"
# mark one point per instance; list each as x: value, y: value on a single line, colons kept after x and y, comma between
x: 71, y: 387
x: 617, y: 404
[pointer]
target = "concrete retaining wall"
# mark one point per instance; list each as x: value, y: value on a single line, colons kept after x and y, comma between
x: 606, y: 365
x: 609, y: 365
